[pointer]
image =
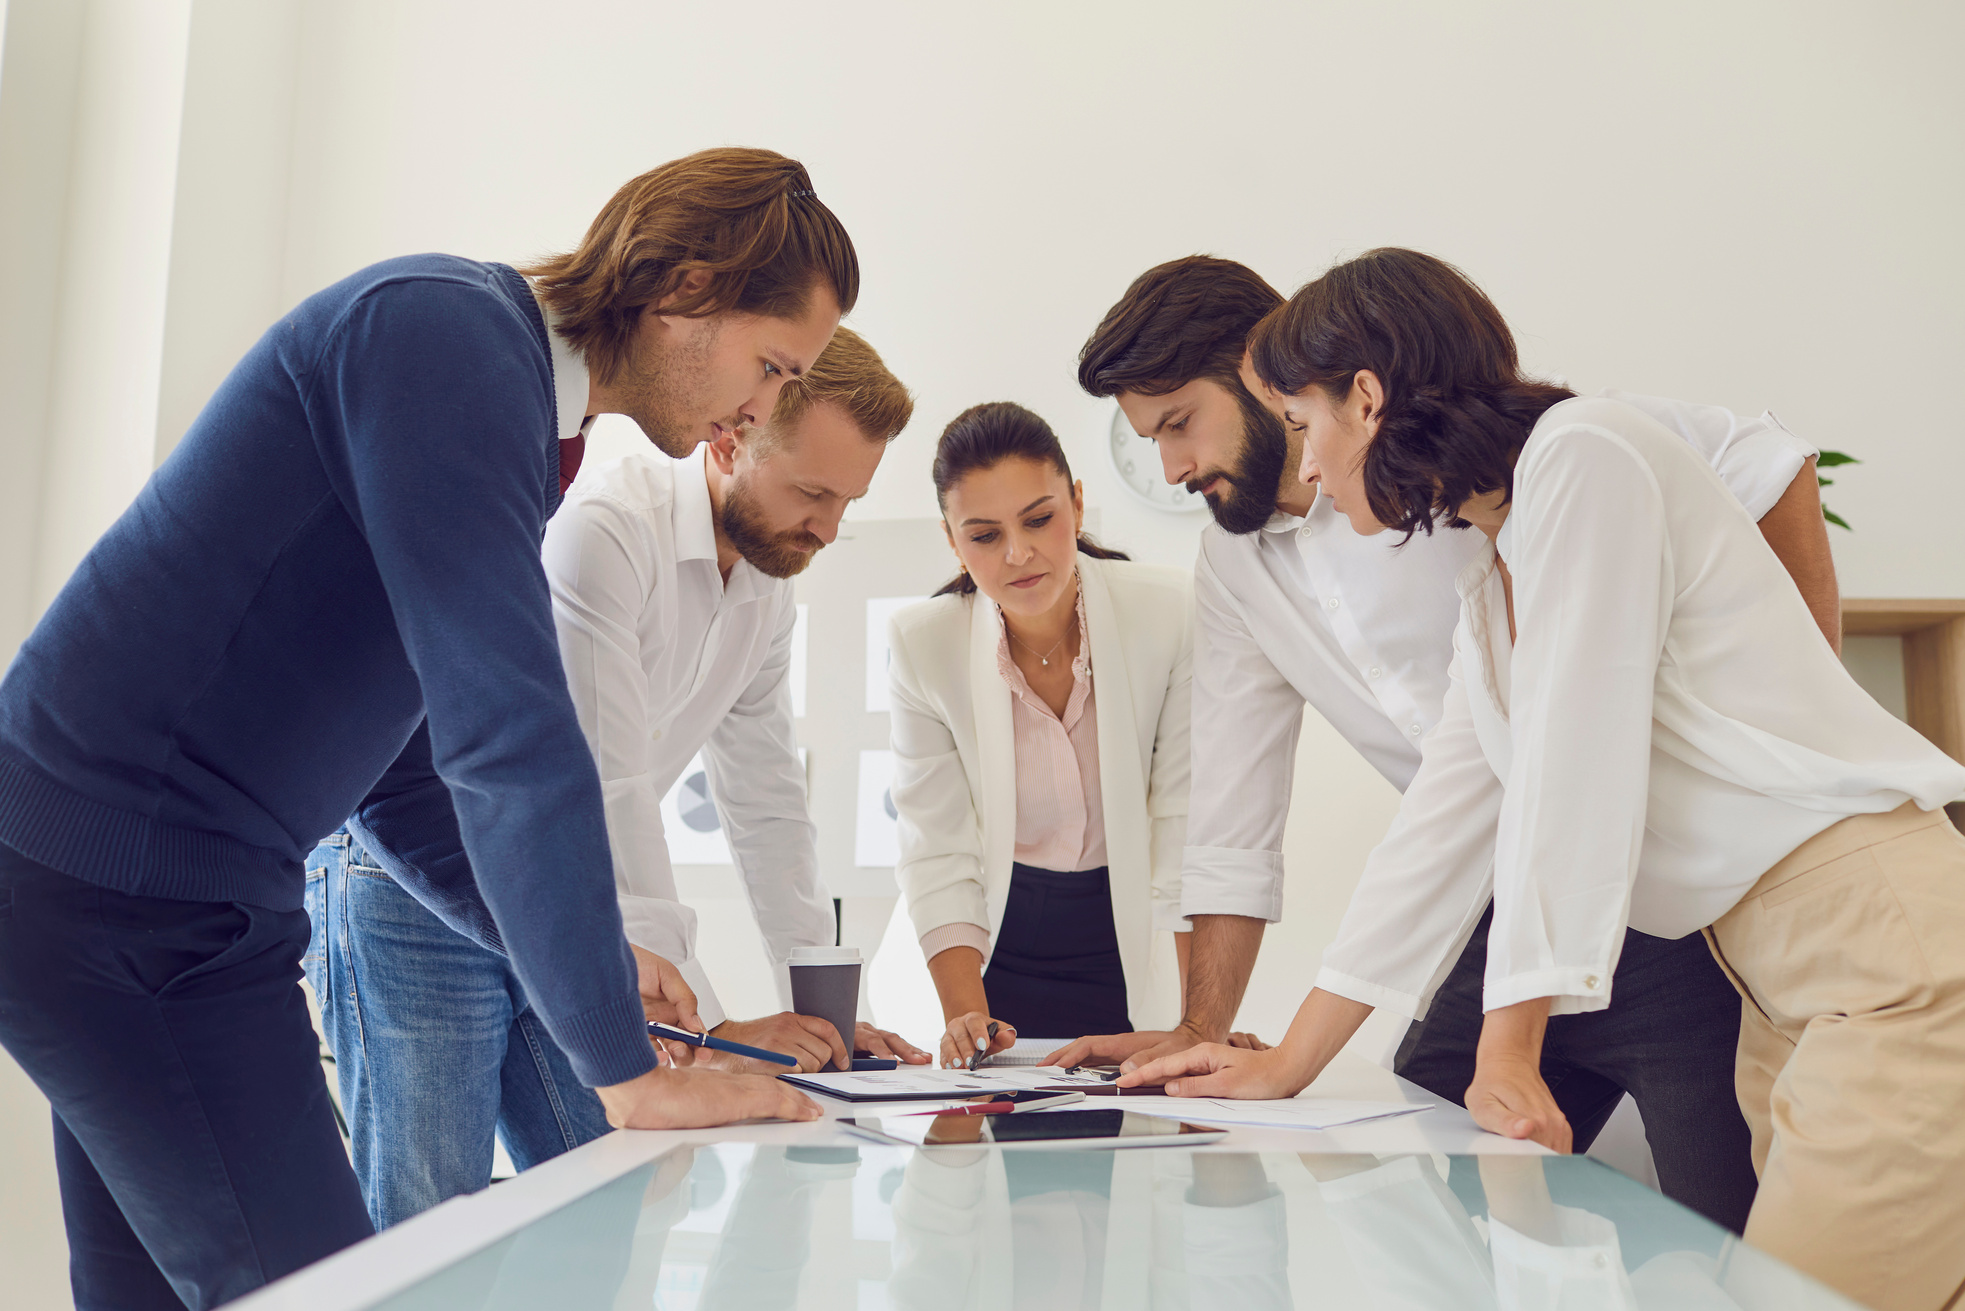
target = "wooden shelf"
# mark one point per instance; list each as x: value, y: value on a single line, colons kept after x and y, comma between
x: 1933, y: 630
x: 1865, y: 617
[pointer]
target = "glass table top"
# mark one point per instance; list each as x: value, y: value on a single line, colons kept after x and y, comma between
x: 737, y: 1226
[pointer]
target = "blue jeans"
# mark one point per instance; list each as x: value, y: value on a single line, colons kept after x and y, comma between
x: 435, y: 1046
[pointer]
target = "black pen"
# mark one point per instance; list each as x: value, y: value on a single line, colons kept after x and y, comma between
x: 981, y: 1047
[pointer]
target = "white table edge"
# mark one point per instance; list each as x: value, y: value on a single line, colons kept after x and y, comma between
x: 408, y: 1253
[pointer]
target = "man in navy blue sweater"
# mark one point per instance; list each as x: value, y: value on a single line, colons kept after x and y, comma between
x: 182, y: 727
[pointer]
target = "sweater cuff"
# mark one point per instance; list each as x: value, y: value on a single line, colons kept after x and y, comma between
x: 608, y: 1044
x: 936, y: 941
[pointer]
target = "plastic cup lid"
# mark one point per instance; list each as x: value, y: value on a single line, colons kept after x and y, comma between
x: 825, y: 955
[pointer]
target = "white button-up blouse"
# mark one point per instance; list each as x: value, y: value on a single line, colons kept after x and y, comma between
x: 1360, y: 628
x: 1668, y: 724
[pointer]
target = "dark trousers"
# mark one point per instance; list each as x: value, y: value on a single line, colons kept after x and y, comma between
x: 1669, y: 1038
x: 194, y: 1140
x: 1055, y: 972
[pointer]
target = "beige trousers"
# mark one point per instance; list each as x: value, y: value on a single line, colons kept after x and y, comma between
x: 1850, y: 960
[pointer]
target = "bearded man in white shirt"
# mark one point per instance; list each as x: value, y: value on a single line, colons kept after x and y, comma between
x: 1294, y: 607
x: 673, y: 602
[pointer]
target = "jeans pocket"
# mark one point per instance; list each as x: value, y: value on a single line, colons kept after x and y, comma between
x: 314, y: 901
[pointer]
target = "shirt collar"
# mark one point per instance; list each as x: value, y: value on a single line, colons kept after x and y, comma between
x: 1475, y: 574
x: 571, y: 383
x: 695, y: 519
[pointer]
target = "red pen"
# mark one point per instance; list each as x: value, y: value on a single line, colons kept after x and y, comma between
x: 1007, y: 1108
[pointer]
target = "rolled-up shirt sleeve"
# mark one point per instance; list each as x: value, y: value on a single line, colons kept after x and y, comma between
x: 1757, y: 458
x: 1242, y: 765
x: 1426, y: 883
x: 1588, y: 548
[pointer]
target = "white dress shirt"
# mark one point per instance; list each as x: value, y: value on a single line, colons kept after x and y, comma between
x: 1307, y: 610
x: 1669, y: 724
x: 664, y: 659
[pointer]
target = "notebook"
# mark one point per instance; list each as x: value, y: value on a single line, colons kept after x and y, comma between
x: 1028, y: 1051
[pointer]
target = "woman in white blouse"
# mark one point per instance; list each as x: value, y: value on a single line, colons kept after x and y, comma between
x: 1040, y: 754
x: 1643, y: 707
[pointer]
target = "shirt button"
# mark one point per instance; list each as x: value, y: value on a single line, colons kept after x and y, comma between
x: 1376, y: 671
x: 1414, y: 730
x: 656, y: 736
x: 1590, y: 982
x: 1331, y: 604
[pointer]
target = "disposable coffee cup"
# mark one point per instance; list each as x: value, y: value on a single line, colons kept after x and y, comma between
x: 825, y: 981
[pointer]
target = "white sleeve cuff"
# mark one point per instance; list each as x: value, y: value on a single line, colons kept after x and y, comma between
x: 936, y: 941
x: 1168, y: 919
x: 1228, y: 881
x: 707, y: 1005
x: 1371, y: 994
x: 668, y: 929
x: 1570, y: 991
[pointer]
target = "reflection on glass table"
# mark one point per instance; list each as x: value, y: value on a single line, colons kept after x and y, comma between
x: 733, y: 1226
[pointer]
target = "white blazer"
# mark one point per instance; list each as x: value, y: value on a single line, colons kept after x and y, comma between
x: 955, y: 761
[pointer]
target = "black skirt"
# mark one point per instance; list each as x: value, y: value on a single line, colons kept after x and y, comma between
x: 1055, y: 972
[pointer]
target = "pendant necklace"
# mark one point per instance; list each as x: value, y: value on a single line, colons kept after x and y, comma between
x: 1044, y: 659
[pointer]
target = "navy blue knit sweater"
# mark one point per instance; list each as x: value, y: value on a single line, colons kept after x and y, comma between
x: 329, y: 600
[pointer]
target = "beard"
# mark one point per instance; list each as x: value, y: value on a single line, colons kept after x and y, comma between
x: 775, y: 555
x: 1257, y: 474
x: 664, y: 393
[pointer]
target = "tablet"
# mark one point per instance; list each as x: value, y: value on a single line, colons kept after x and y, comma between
x: 1063, y: 1129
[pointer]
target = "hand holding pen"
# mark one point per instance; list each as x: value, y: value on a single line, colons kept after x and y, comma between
x: 972, y: 1038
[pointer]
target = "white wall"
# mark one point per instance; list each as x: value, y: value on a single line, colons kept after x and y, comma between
x: 1749, y: 203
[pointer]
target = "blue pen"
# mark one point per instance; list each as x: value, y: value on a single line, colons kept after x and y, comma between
x: 719, y: 1044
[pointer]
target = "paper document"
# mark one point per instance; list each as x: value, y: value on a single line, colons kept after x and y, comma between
x: 1283, y: 1113
x: 925, y: 1083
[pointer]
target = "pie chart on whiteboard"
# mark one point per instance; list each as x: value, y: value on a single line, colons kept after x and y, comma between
x: 694, y: 804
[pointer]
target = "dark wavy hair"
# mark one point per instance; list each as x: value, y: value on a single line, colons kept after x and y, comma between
x: 982, y: 437
x: 1457, y: 407
x: 1185, y: 319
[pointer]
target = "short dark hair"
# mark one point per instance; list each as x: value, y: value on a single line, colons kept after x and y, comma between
x: 1457, y: 407
x: 1185, y: 319
x: 982, y: 437
x: 748, y: 218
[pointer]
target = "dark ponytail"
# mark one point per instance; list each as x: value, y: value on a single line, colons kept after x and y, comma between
x: 982, y: 437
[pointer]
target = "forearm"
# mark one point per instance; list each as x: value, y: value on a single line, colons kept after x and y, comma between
x: 1323, y: 1024
x: 1220, y: 958
x: 1514, y: 1032
x: 1799, y: 538
x: 957, y: 973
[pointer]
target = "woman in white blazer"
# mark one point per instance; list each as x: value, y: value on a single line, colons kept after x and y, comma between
x: 1040, y: 722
